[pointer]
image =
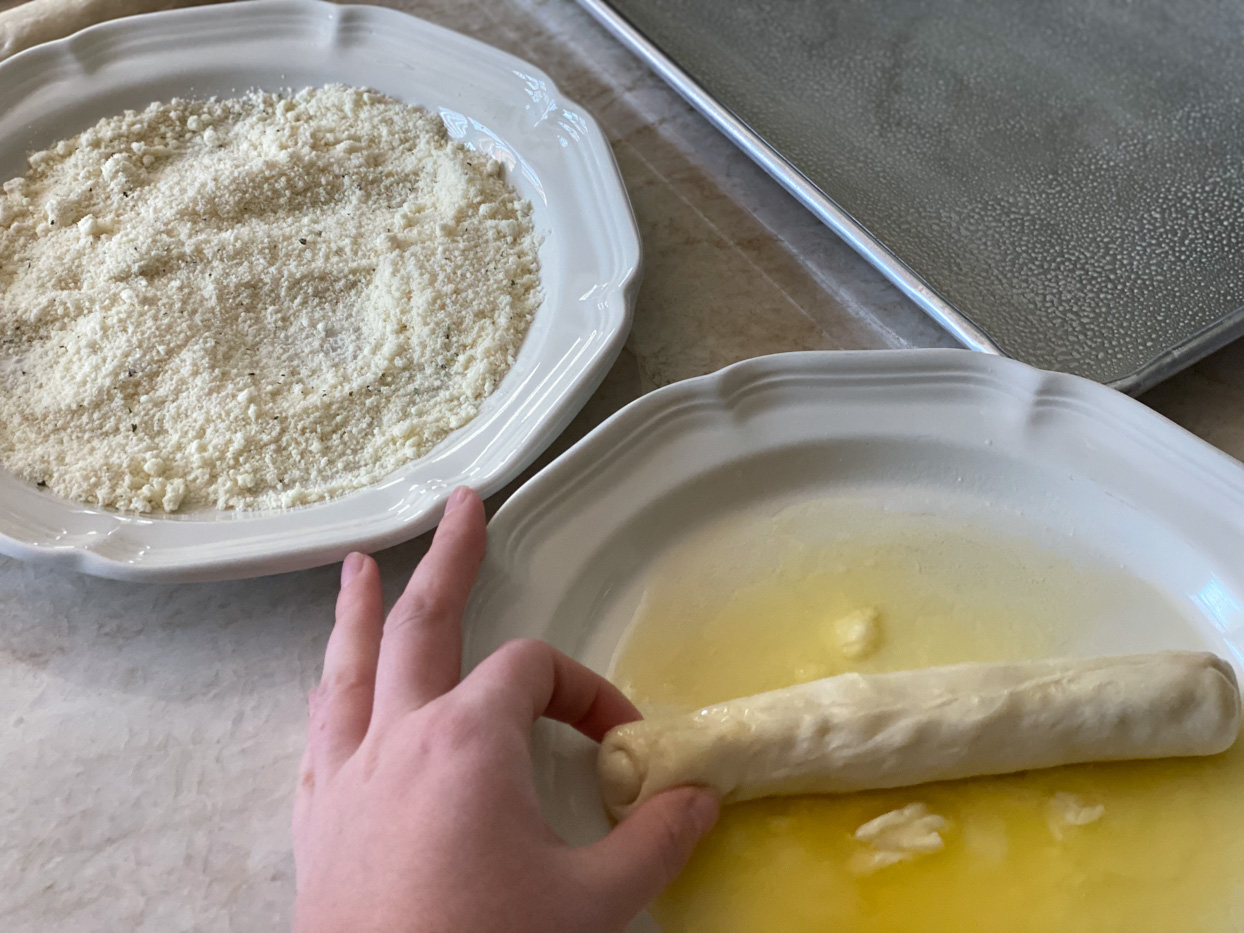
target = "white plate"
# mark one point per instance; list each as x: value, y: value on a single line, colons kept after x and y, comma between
x: 492, y: 101
x: 1055, y: 458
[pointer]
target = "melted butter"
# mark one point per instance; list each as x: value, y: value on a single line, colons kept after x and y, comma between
x: 753, y: 606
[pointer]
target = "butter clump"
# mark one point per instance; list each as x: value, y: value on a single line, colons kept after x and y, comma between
x: 857, y: 634
x: 898, y: 836
x: 1070, y: 810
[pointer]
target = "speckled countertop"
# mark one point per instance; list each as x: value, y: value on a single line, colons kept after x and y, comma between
x: 150, y: 735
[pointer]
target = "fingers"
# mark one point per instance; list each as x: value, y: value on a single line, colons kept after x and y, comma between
x: 341, y: 706
x: 529, y: 679
x: 648, y: 850
x: 421, y: 653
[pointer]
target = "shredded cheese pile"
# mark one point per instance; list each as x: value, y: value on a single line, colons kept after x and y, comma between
x: 253, y: 303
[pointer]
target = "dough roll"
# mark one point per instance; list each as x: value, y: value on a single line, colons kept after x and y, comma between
x: 859, y: 732
x: 37, y: 21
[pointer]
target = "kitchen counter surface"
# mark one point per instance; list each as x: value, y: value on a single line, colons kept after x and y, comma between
x: 150, y: 735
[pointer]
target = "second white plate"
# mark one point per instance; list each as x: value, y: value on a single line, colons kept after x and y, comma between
x: 1067, y: 463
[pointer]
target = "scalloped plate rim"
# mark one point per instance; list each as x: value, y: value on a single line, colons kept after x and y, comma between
x: 720, y: 392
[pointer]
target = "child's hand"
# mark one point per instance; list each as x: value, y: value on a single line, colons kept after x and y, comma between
x: 416, y: 809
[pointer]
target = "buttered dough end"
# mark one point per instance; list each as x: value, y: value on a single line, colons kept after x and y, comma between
x: 855, y: 732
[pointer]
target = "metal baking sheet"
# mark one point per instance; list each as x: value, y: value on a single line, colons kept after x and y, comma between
x: 1058, y: 182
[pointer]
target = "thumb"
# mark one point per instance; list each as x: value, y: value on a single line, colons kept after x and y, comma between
x: 648, y: 849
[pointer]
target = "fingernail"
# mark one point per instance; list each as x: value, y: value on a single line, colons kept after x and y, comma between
x: 350, y: 567
x: 456, y: 498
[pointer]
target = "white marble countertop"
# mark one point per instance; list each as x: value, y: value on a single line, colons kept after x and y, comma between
x: 150, y: 735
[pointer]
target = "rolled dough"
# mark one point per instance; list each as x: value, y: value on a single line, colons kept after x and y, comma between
x: 36, y: 21
x: 858, y: 732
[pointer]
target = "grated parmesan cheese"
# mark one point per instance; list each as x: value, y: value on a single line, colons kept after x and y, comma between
x: 253, y: 303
